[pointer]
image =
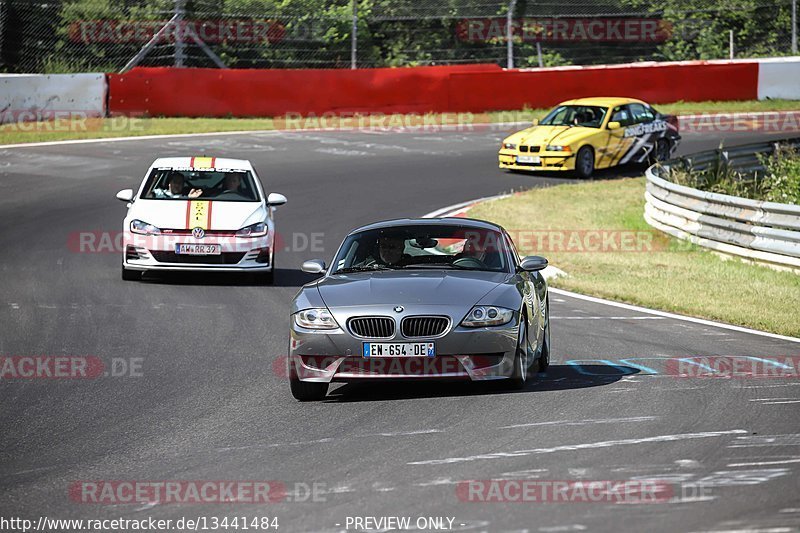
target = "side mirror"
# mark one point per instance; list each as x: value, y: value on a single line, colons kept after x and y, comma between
x: 614, y: 125
x: 532, y: 263
x: 535, y: 122
x: 126, y: 195
x: 313, y: 266
x: 275, y: 199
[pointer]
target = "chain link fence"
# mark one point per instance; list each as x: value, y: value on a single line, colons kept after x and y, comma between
x: 110, y: 36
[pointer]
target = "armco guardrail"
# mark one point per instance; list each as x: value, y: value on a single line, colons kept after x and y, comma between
x: 761, y: 231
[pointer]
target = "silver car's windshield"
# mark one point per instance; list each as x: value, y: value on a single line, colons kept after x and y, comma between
x: 423, y: 247
x: 190, y: 184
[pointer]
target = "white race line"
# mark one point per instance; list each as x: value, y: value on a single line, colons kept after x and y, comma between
x: 445, y: 127
x: 377, y: 129
x: 582, y: 422
x: 608, y: 317
x: 585, y: 446
x: 765, y: 463
x: 674, y: 316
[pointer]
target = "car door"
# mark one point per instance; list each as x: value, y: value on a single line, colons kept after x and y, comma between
x: 617, y: 143
x: 642, y: 132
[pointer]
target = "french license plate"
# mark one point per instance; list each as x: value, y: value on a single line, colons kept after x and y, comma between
x: 528, y: 159
x: 399, y: 349
x: 198, y: 249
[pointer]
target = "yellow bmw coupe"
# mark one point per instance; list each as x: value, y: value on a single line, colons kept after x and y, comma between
x: 592, y: 133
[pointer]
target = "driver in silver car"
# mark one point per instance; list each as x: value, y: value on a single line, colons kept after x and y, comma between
x: 388, y: 251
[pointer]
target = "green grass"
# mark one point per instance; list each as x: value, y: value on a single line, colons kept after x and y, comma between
x: 136, y: 126
x: 674, y: 276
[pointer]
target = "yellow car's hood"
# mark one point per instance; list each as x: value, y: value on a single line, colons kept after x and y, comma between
x: 544, y: 135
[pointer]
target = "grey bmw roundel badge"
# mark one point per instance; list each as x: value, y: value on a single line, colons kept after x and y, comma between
x: 398, y: 308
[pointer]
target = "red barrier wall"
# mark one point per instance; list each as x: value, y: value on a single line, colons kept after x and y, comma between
x: 250, y: 92
x: 475, y: 88
x: 656, y: 83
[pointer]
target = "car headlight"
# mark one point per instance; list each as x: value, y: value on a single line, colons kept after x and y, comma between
x: 509, y: 146
x: 253, y: 230
x: 315, y: 319
x: 143, y: 228
x: 487, y: 315
x: 558, y: 148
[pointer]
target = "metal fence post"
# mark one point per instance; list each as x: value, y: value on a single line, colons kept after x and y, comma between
x: 794, y: 27
x: 354, y: 37
x: 510, y: 34
x: 180, y: 48
x: 730, y: 43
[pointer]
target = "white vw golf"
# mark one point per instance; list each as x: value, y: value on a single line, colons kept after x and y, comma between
x: 202, y: 214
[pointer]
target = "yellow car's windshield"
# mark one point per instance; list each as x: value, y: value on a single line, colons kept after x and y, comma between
x: 588, y: 116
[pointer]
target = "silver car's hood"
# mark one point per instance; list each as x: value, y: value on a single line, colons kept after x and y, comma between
x: 406, y: 287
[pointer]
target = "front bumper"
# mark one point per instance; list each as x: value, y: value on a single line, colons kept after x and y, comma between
x: 549, y: 161
x: 475, y: 354
x: 238, y: 254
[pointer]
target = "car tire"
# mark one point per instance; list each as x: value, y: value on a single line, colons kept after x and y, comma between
x: 130, y: 275
x: 584, y: 162
x: 307, y: 391
x: 519, y: 374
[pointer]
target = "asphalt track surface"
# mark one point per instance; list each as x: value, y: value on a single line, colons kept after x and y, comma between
x: 209, y: 406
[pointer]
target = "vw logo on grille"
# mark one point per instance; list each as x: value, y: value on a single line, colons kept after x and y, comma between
x: 198, y: 233
x: 398, y: 308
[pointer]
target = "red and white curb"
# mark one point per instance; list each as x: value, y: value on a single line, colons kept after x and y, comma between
x: 460, y: 210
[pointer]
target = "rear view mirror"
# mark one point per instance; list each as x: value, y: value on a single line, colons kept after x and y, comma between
x: 313, y: 266
x: 614, y: 125
x: 275, y: 199
x: 535, y: 122
x: 126, y: 195
x: 532, y: 263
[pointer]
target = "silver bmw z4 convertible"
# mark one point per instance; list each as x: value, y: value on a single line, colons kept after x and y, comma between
x: 442, y: 298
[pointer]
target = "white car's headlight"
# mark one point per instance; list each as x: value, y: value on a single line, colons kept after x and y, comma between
x: 143, y: 228
x: 253, y: 230
x: 487, y: 315
x: 315, y: 319
x: 509, y: 146
x: 558, y: 148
